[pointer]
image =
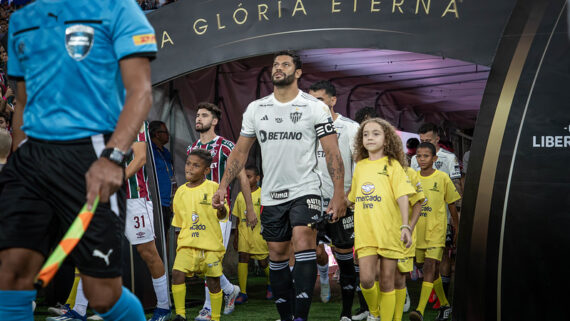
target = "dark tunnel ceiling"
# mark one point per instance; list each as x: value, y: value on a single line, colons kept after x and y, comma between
x: 406, y: 88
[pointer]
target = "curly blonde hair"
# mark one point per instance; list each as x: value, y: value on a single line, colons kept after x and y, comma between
x: 393, y: 147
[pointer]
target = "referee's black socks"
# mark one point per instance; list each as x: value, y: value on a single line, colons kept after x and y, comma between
x: 347, y: 281
x: 305, y: 275
x: 282, y: 283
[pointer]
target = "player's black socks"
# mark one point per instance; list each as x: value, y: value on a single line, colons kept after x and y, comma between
x: 305, y: 274
x: 281, y: 283
x: 361, y: 299
x: 445, y: 280
x: 347, y: 281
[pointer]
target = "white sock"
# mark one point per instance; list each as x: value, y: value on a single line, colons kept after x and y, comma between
x: 207, y: 303
x: 324, y: 273
x: 291, y: 268
x: 161, y: 290
x: 80, y: 300
x: 226, y: 285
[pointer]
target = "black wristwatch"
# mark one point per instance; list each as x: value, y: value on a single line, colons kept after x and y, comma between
x: 116, y: 155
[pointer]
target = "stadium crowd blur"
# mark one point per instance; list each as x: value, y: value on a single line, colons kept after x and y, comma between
x: 7, y: 87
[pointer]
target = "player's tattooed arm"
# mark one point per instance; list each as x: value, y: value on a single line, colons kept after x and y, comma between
x: 333, y: 158
x: 335, y: 166
x: 333, y: 163
x: 234, y: 166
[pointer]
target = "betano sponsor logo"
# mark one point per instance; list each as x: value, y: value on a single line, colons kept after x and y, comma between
x: 265, y: 136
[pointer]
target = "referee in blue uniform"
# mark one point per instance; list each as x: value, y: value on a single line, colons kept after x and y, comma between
x: 83, y: 74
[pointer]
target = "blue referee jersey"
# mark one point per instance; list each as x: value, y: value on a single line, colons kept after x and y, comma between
x: 68, y: 52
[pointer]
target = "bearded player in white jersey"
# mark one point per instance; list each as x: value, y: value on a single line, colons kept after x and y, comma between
x: 288, y: 124
x: 339, y: 235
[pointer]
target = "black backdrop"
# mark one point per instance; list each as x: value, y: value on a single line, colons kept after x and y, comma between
x: 199, y: 33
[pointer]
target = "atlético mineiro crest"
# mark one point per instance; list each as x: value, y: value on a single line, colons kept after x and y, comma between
x: 79, y: 41
x: 295, y: 117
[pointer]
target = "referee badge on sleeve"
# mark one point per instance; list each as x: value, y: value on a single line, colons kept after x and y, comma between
x: 79, y: 41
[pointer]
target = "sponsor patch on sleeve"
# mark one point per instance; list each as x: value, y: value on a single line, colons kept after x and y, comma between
x: 145, y: 39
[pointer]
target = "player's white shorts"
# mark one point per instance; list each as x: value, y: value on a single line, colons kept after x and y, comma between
x: 226, y: 228
x: 139, y: 224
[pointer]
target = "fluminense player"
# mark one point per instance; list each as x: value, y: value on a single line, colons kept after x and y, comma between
x: 288, y: 124
x: 208, y: 116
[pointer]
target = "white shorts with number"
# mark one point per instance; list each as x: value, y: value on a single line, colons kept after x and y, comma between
x: 139, y: 227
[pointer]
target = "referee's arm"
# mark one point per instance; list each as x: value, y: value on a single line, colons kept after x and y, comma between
x: 105, y: 177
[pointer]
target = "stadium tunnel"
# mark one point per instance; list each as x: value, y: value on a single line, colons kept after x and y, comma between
x: 498, y: 67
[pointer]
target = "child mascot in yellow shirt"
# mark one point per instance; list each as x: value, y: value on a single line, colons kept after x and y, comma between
x: 431, y: 229
x: 249, y: 243
x: 379, y: 192
x: 200, y: 247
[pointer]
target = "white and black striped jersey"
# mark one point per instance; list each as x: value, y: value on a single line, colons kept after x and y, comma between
x: 346, y: 130
x: 288, y: 134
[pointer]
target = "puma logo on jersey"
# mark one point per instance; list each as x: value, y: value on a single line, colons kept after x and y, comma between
x: 99, y: 254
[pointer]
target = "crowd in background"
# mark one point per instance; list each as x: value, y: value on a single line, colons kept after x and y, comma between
x: 7, y: 87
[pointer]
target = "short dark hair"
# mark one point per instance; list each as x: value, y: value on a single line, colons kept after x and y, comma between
x: 296, y: 59
x: 252, y: 168
x: 365, y: 113
x: 6, y: 116
x: 429, y: 127
x: 215, y: 110
x: 325, y: 85
x: 154, y: 127
x: 428, y: 146
x: 203, y: 154
x: 412, y: 143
